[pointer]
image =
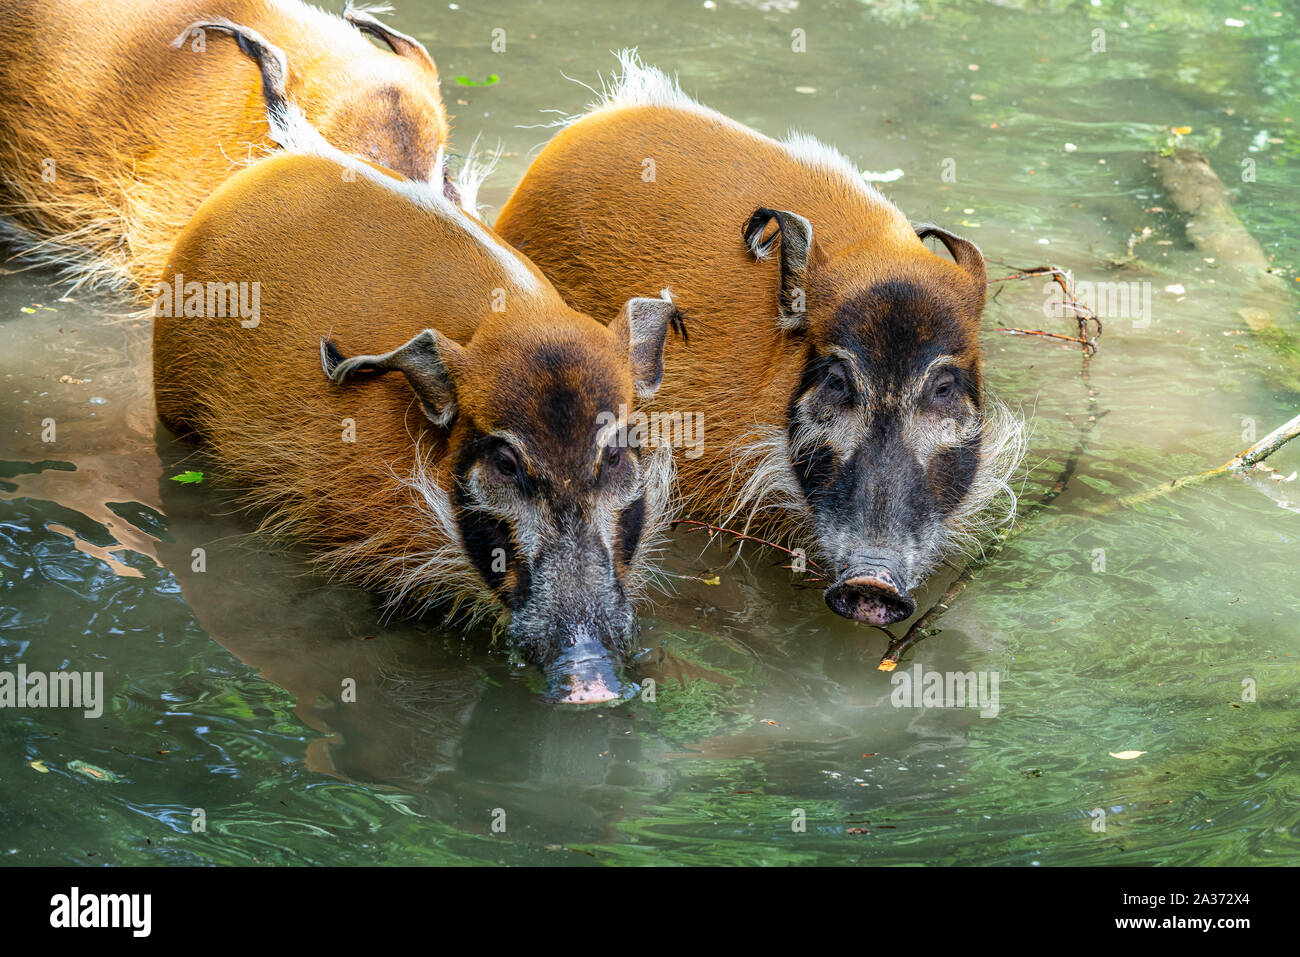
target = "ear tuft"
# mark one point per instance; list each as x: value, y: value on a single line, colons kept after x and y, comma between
x: 330, y: 357
x: 754, y: 232
x: 678, y: 321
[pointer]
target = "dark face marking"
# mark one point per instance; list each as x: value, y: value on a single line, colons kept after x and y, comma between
x: 387, y: 127
x: 894, y: 328
x: 631, y: 523
x: 489, y: 539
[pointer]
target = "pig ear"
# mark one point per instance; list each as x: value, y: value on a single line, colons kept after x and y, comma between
x: 964, y: 252
x: 642, y: 329
x: 364, y: 20
x: 426, y: 361
x: 796, y: 235
x: 270, y: 59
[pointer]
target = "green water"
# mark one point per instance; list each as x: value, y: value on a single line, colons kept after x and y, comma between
x: 225, y: 688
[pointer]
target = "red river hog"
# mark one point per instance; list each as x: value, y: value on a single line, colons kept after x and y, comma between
x: 490, y: 475
x: 833, y: 357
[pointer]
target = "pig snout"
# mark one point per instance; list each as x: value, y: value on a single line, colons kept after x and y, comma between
x: 585, y: 672
x: 872, y: 595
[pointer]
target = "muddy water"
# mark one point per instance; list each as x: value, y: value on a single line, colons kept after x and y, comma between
x: 1168, y: 629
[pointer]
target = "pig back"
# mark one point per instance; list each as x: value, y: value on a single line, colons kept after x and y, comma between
x: 321, y: 255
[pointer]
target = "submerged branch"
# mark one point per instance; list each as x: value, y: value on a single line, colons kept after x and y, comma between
x: 1083, y: 315
x: 1242, y: 460
x: 1265, y: 301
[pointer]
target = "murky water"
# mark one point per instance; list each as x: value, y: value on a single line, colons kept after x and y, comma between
x: 225, y: 688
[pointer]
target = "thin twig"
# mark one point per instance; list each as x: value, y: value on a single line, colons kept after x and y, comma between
x: 742, y: 537
x: 1091, y: 347
x: 1082, y: 314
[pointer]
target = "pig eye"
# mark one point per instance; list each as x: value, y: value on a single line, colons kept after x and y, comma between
x: 944, y: 385
x: 614, y: 458
x: 507, y: 463
x: 836, y: 383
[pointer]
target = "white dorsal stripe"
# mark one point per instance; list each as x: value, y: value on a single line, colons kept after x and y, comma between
x: 639, y: 85
x: 290, y: 128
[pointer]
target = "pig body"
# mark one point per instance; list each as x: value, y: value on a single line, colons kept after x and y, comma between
x: 479, y: 478
x: 117, y: 119
x: 833, y: 357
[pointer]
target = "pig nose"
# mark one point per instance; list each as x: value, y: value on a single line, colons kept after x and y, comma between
x: 871, y: 596
x: 585, y: 673
x: 584, y: 690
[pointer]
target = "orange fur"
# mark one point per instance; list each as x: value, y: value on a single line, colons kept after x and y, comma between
x: 139, y: 132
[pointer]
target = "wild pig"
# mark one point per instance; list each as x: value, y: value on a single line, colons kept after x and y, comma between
x: 480, y: 477
x: 117, y: 118
x: 833, y: 356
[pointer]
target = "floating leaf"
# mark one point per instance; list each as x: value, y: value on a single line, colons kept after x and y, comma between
x: 38, y: 766
x: 188, y: 478
x: 1126, y: 755
x: 91, y: 771
x: 466, y: 81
